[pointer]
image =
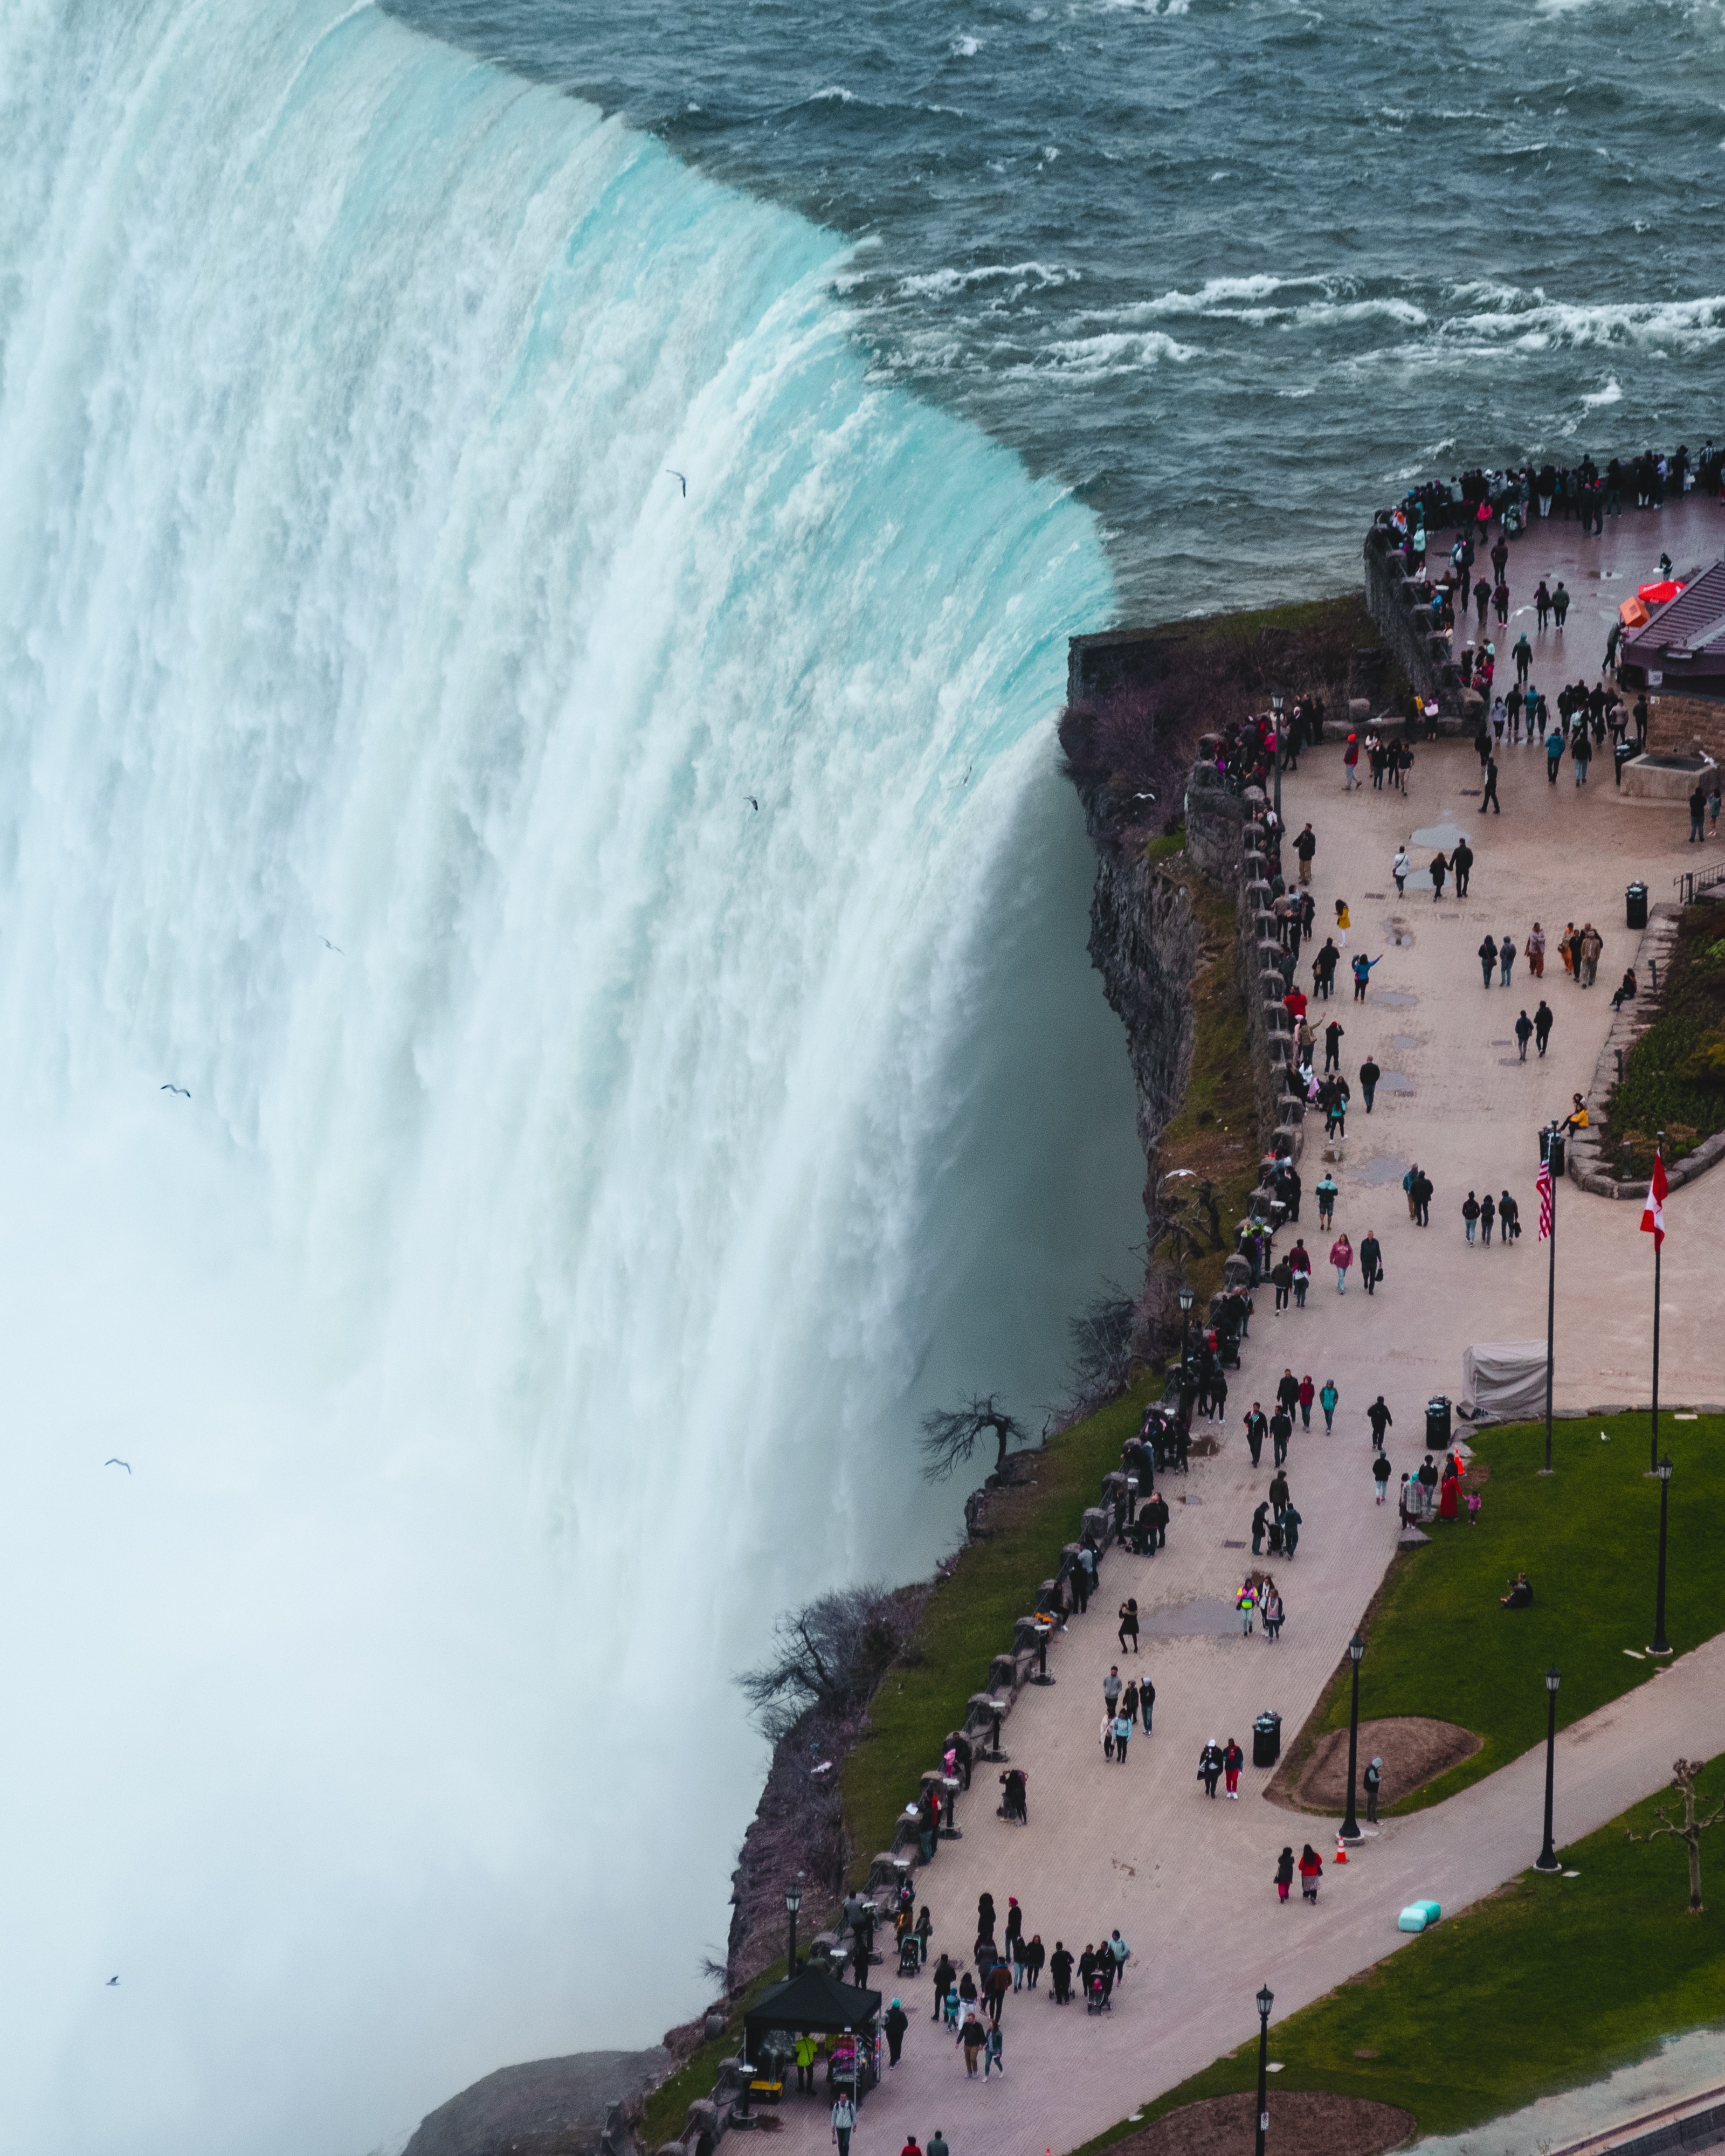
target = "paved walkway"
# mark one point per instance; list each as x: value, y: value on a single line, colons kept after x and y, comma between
x: 1187, y: 1882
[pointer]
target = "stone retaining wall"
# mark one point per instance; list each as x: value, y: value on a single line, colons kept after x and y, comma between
x: 1422, y: 652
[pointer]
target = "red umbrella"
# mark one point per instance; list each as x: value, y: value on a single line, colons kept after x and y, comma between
x: 1659, y: 594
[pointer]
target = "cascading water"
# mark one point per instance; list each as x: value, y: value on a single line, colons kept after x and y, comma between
x: 622, y: 946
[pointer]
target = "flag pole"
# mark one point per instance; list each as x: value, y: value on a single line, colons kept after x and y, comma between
x: 1658, y: 1252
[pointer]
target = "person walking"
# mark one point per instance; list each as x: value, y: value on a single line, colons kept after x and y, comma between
x: 1507, y: 959
x: 1581, y: 752
x: 1326, y: 1399
x: 1522, y: 654
x: 1524, y: 1033
x: 1509, y: 1222
x: 1369, y: 1073
x: 1283, y: 1874
x: 994, y: 2052
x: 1401, y: 868
x: 1371, y: 1262
x: 1543, y: 1024
x: 1381, y: 1419
x: 1488, y: 798
x: 1258, y: 1519
x: 1350, y: 765
x: 1343, y: 922
x: 1060, y: 1972
x: 1559, y: 606
x: 1257, y: 1427
x: 895, y: 2022
x: 1342, y: 1257
x: 1281, y: 1279
x: 945, y: 1976
x: 971, y: 2037
x: 1326, y: 1191
x: 1380, y: 1475
x: 1281, y: 1428
x: 1147, y: 1701
x: 1470, y: 1214
x: 1333, y: 1037
x: 1233, y: 1759
x: 1122, y: 1730
x: 1488, y: 1218
x: 1246, y: 1604
x: 1305, y: 846
x: 1129, y: 1626
x: 1274, y: 1609
x: 1592, y: 946
x: 1307, y: 1395
x: 1035, y: 1953
x: 844, y: 2122
x: 1487, y: 956
x: 1440, y: 870
x: 1698, y: 815
x: 1311, y: 1871
x: 1362, y: 973
x: 1535, y: 948
x: 1300, y: 1263
x: 1113, y: 1688
x: 805, y: 2051
x: 1461, y: 866
x: 1408, y: 1181
x: 1210, y: 1767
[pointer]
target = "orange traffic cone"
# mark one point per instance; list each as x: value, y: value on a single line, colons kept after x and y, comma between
x: 1341, y: 1851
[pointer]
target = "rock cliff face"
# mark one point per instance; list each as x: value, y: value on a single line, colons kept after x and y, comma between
x: 1143, y: 941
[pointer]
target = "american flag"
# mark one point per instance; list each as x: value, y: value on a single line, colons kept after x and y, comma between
x: 1541, y: 1182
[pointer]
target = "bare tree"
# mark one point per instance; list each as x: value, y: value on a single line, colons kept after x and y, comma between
x: 1101, y: 1337
x: 1683, y: 1775
x: 950, y: 1434
x: 830, y: 1654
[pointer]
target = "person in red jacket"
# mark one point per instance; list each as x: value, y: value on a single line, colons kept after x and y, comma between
x: 1308, y: 1394
x: 1311, y: 1871
x: 1233, y: 1759
x: 1350, y: 760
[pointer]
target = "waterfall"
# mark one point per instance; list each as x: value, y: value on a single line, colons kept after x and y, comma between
x: 499, y: 705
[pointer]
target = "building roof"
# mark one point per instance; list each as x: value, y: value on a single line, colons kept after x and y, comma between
x: 1685, y: 640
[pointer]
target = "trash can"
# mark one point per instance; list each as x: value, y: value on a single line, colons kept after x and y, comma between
x: 1437, y: 1424
x: 1636, y: 899
x: 1624, y: 752
x: 1266, y: 1740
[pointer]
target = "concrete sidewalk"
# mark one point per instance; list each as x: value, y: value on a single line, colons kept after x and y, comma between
x: 1187, y: 1882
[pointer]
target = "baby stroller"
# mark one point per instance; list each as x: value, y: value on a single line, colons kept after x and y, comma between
x: 910, y: 1955
x: 1099, y: 1999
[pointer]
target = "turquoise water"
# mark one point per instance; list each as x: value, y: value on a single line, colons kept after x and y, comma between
x: 1229, y: 269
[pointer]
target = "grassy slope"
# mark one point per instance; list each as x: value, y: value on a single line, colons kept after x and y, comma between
x: 969, y: 1620
x: 1552, y: 1983
x: 1674, y: 1078
x: 1437, y: 1643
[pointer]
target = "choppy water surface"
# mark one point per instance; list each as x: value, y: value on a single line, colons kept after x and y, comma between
x: 1228, y: 267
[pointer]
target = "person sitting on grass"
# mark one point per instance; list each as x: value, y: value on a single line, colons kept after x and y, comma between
x: 1520, y: 1595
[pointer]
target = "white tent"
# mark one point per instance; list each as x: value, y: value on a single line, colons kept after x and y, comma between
x: 1504, y: 1380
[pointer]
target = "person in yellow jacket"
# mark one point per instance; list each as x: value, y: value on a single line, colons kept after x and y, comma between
x: 806, y: 2050
x: 1246, y: 1602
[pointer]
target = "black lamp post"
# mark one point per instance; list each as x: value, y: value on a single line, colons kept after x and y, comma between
x: 1661, y: 1646
x: 1547, y: 1859
x: 1551, y: 1152
x: 1266, y: 1999
x: 1275, y: 707
x: 793, y: 1903
x: 1350, y: 1826
x: 1042, y: 1627
x: 949, y: 1826
x: 1187, y: 1299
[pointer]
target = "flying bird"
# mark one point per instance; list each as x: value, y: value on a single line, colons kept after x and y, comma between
x: 678, y: 475
x: 181, y: 1090
x: 117, y: 1462
x: 110, y: 1983
x: 336, y: 947
x: 752, y: 803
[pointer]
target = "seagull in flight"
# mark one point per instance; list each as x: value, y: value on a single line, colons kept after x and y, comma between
x: 678, y: 475
x: 110, y: 1983
x: 117, y: 1462
x: 336, y: 947
x: 181, y: 1090
x: 752, y: 803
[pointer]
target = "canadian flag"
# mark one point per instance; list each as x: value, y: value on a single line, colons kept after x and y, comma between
x: 1653, y: 1219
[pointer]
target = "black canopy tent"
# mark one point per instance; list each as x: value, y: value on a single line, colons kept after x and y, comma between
x: 810, y: 2000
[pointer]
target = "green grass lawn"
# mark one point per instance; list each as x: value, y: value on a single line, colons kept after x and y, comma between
x: 969, y: 1620
x: 1549, y: 1984
x: 1587, y: 1538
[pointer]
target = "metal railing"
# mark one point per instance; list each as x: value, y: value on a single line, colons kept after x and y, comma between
x: 1695, y: 880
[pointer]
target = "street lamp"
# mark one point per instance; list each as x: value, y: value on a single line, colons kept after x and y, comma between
x: 1266, y: 1999
x: 793, y: 1903
x: 1187, y: 1299
x: 1275, y: 707
x: 1551, y: 1155
x: 1547, y: 1859
x: 1350, y: 1826
x: 1661, y: 1646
